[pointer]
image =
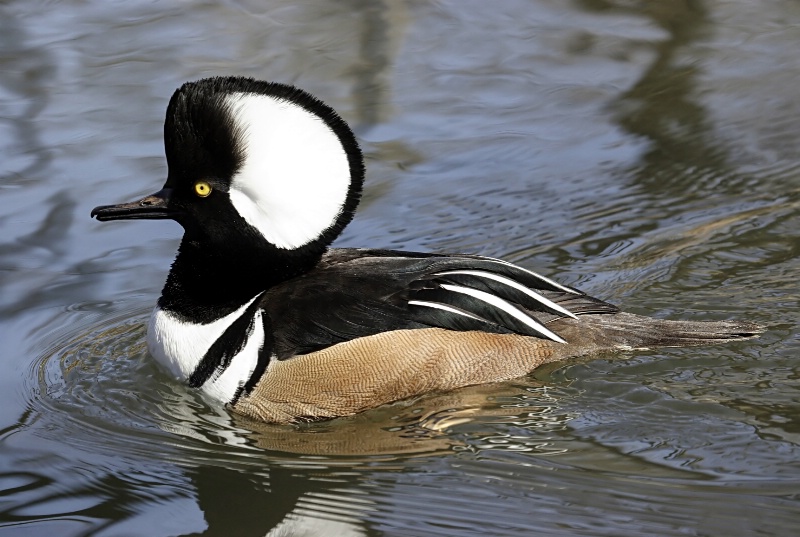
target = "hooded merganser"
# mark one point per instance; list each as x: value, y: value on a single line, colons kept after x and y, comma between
x: 259, y: 313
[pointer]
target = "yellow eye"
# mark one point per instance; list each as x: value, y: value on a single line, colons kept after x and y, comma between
x: 202, y: 189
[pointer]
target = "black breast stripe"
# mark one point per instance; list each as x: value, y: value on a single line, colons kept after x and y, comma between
x: 264, y: 357
x: 229, y: 344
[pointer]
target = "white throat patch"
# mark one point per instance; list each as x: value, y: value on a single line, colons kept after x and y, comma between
x: 295, y: 176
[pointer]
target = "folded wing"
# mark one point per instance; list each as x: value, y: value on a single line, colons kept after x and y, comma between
x: 356, y: 293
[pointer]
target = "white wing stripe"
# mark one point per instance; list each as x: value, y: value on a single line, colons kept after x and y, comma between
x: 511, y: 283
x: 444, y: 307
x: 501, y: 304
x: 544, y: 279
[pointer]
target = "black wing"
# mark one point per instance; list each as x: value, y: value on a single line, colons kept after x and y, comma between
x: 355, y: 293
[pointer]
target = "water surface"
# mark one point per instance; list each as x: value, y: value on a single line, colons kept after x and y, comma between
x: 648, y: 154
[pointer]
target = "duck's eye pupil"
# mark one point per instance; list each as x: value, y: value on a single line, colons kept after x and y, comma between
x: 202, y: 189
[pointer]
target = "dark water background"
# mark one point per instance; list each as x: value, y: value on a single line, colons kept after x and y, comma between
x: 646, y: 152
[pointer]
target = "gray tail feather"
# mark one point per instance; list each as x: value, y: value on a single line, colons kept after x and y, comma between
x: 629, y: 331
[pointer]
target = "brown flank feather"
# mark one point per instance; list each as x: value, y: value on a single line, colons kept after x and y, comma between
x: 370, y: 371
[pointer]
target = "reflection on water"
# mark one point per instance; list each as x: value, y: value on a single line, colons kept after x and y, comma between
x: 647, y: 153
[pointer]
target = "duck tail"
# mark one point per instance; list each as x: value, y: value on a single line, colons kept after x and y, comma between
x: 599, y: 332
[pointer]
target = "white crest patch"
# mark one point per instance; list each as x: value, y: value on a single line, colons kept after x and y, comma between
x: 295, y: 176
x: 180, y: 346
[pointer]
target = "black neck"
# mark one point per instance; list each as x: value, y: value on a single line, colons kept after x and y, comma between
x: 205, y: 284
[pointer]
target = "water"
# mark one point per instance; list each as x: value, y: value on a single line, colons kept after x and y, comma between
x: 648, y: 153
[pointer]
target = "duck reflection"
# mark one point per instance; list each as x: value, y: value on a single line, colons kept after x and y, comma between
x: 315, y: 478
x: 665, y: 105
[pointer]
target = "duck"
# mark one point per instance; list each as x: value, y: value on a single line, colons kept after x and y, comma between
x: 261, y: 314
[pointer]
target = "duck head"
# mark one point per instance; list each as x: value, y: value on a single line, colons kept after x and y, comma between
x: 256, y: 166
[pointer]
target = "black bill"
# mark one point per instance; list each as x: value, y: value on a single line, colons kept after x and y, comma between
x: 152, y: 207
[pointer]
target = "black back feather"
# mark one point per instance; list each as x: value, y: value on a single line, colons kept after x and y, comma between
x: 355, y: 293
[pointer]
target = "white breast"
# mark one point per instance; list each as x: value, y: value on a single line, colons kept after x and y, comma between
x: 180, y: 346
